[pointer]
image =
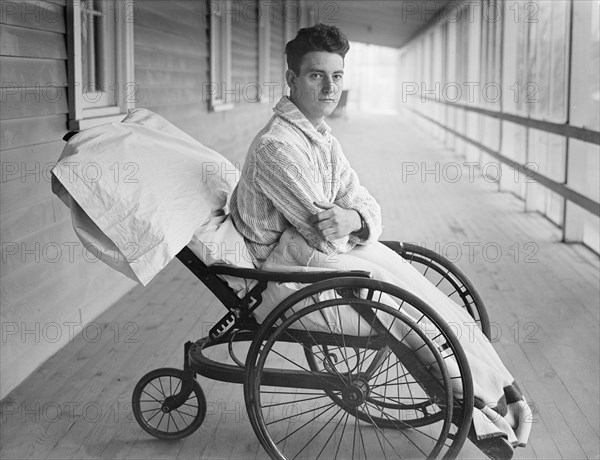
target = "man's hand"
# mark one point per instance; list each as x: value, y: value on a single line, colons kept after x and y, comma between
x: 335, y: 222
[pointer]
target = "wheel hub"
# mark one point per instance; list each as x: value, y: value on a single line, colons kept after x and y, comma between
x: 166, y: 405
x: 355, y: 393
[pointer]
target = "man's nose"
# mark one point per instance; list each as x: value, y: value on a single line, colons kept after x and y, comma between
x: 328, y: 86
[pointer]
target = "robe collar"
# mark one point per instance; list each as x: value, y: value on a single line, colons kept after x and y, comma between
x: 287, y: 110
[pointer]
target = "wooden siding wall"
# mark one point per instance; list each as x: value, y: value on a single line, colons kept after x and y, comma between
x: 172, y: 69
x: 50, y: 286
x: 172, y: 60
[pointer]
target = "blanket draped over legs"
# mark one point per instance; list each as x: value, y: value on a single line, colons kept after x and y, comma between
x: 500, y: 408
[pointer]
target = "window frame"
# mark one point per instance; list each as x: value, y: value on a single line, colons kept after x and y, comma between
x: 217, y: 43
x: 288, y: 35
x: 81, y: 115
x: 264, y: 48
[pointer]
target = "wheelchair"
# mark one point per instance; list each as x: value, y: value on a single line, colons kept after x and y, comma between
x: 334, y: 371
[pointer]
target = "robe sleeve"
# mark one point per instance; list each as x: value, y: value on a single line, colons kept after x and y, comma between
x: 286, y: 176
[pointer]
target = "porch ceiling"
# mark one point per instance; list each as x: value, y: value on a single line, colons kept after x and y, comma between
x: 381, y: 22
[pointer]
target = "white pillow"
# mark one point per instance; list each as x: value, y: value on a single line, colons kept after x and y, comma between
x: 219, y: 242
x: 145, y: 188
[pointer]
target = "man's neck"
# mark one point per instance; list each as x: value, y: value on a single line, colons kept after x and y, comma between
x: 316, y: 122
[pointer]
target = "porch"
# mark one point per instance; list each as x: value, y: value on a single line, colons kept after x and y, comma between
x: 542, y: 296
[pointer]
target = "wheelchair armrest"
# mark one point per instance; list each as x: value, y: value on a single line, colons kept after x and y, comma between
x: 187, y: 257
x: 409, y: 250
x: 286, y: 277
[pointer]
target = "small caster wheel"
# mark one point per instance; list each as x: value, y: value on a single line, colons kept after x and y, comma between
x: 163, y: 409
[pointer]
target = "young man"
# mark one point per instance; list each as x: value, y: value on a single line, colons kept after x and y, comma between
x: 296, y: 175
x: 299, y: 203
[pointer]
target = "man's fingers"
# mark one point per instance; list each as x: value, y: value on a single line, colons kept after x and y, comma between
x: 331, y: 236
x: 326, y: 222
x: 322, y: 225
x: 319, y: 217
x: 322, y: 216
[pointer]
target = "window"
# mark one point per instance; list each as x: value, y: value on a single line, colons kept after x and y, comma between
x: 220, y: 55
x: 100, y: 42
x: 585, y: 86
x: 548, y: 61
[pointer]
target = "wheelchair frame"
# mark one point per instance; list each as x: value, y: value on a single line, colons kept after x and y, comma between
x: 351, y: 388
x: 238, y: 325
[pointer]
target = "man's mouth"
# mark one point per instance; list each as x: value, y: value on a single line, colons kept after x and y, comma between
x: 327, y: 100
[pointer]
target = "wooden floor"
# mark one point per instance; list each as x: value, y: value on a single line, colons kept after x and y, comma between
x: 542, y: 296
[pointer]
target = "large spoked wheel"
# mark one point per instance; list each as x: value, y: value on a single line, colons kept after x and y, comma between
x: 448, y: 278
x: 167, y: 405
x: 399, y: 385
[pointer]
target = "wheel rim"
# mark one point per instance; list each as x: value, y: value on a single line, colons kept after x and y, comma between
x: 450, y: 280
x: 307, y: 423
x: 157, y: 411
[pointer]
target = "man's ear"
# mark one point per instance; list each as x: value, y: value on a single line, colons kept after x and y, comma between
x: 290, y: 78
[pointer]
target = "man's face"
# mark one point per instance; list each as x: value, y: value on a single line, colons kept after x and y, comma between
x: 316, y: 90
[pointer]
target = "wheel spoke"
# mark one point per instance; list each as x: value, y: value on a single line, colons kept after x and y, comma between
x: 362, y: 441
x: 314, y: 418
x: 301, y: 367
x: 316, y: 343
x: 317, y: 434
x: 406, y: 425
x: 342, y: 435
x: 173, y: 418
x: 182, y: 419
x: 331, y: 435
x: 162, y: 390
x: 157, y: 389
x: 295, y: 401
x: 299, y: 414
x: 157, y: 400
x: 156, y: 411
x: 377, y: 429
x: 343, y: 338
x: 184, y: 412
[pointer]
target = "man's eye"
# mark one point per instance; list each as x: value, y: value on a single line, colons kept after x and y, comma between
x: 316, y: 75
x: 338, y: 77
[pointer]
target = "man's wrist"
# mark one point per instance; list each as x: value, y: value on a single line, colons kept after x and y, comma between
x: 362, y: 229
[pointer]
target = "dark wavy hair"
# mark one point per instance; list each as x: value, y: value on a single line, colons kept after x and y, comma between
x: 320, y: 37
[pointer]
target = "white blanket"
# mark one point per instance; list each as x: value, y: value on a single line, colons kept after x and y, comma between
x: 495, y: 388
